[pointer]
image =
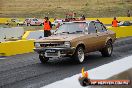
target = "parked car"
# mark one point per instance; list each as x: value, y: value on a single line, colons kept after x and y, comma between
x: 55, y: 23
x: 14, y: 21
x: 33, y: 22
x: 74, y: 39
x: 125, y: 23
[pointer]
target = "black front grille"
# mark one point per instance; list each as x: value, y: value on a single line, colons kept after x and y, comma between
x: 52, y: 54
x: 50, y: 44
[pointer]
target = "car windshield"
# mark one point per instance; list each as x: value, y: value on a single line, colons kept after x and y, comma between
x: 70, y: 28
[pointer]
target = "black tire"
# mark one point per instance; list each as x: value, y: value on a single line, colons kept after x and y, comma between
x: 76, y: 56
x: 28, y: 24
x: 107, y: 50
x: 43, y: 59
x: 41, y: 24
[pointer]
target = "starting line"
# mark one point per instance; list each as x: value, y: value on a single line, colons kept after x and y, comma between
x: 102, y: 72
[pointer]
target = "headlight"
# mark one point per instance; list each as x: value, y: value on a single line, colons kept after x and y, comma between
x: 67, y: 44
x: 36, y: 44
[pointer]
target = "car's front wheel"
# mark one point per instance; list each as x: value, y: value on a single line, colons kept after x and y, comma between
x: 41, y: 24
x: 43, y: 59
x: 79, y: 54
x: 28, y: 24
x: 107, y: 50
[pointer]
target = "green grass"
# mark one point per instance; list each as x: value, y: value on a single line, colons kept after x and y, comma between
x: 58, y: 8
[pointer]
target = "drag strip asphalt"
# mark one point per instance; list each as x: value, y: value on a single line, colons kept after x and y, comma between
x: 105, y: 71
x: 26, y: 71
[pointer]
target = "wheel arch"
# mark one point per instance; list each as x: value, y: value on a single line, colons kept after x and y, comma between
x: 108, y: 39
x: 81, y: 45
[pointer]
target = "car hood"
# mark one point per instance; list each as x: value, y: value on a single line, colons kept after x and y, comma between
x: 65, y: 37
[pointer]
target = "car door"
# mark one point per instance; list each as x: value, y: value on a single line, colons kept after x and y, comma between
x: 101, y: 33
x: 91, y: 38
x: 37, y: 22
x: 34, y: 21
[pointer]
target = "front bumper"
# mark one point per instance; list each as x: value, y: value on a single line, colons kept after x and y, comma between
x: 55, y: 51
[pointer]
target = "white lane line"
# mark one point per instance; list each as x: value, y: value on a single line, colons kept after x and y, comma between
x: 102, y: 72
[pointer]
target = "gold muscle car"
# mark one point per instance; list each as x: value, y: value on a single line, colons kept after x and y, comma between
x: 74, y: 39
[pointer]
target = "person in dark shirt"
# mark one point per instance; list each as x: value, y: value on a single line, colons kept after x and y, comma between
x: 82, y: 17
x: 128, y: 13
x: 47, y: 27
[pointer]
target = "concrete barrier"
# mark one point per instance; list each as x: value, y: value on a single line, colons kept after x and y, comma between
x: 14, y: 32
x: 105, y: 20
x: 109, y: 20
x: 2, y: 36
x: 123, y: 31
x: 16, y: 47
x: 4, y: 20
x: 33, y: 35
x: 8, y: 33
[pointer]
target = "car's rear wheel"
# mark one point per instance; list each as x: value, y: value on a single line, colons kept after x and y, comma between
x: 79, y: 55
x: 107, y: 50
x: 43, y: 59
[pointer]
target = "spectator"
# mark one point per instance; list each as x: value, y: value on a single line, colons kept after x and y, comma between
x: 47, y: 27
x: 128, y: 13
x: 114, y: 22
x: 83, y: 17
x: 58, y: 25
